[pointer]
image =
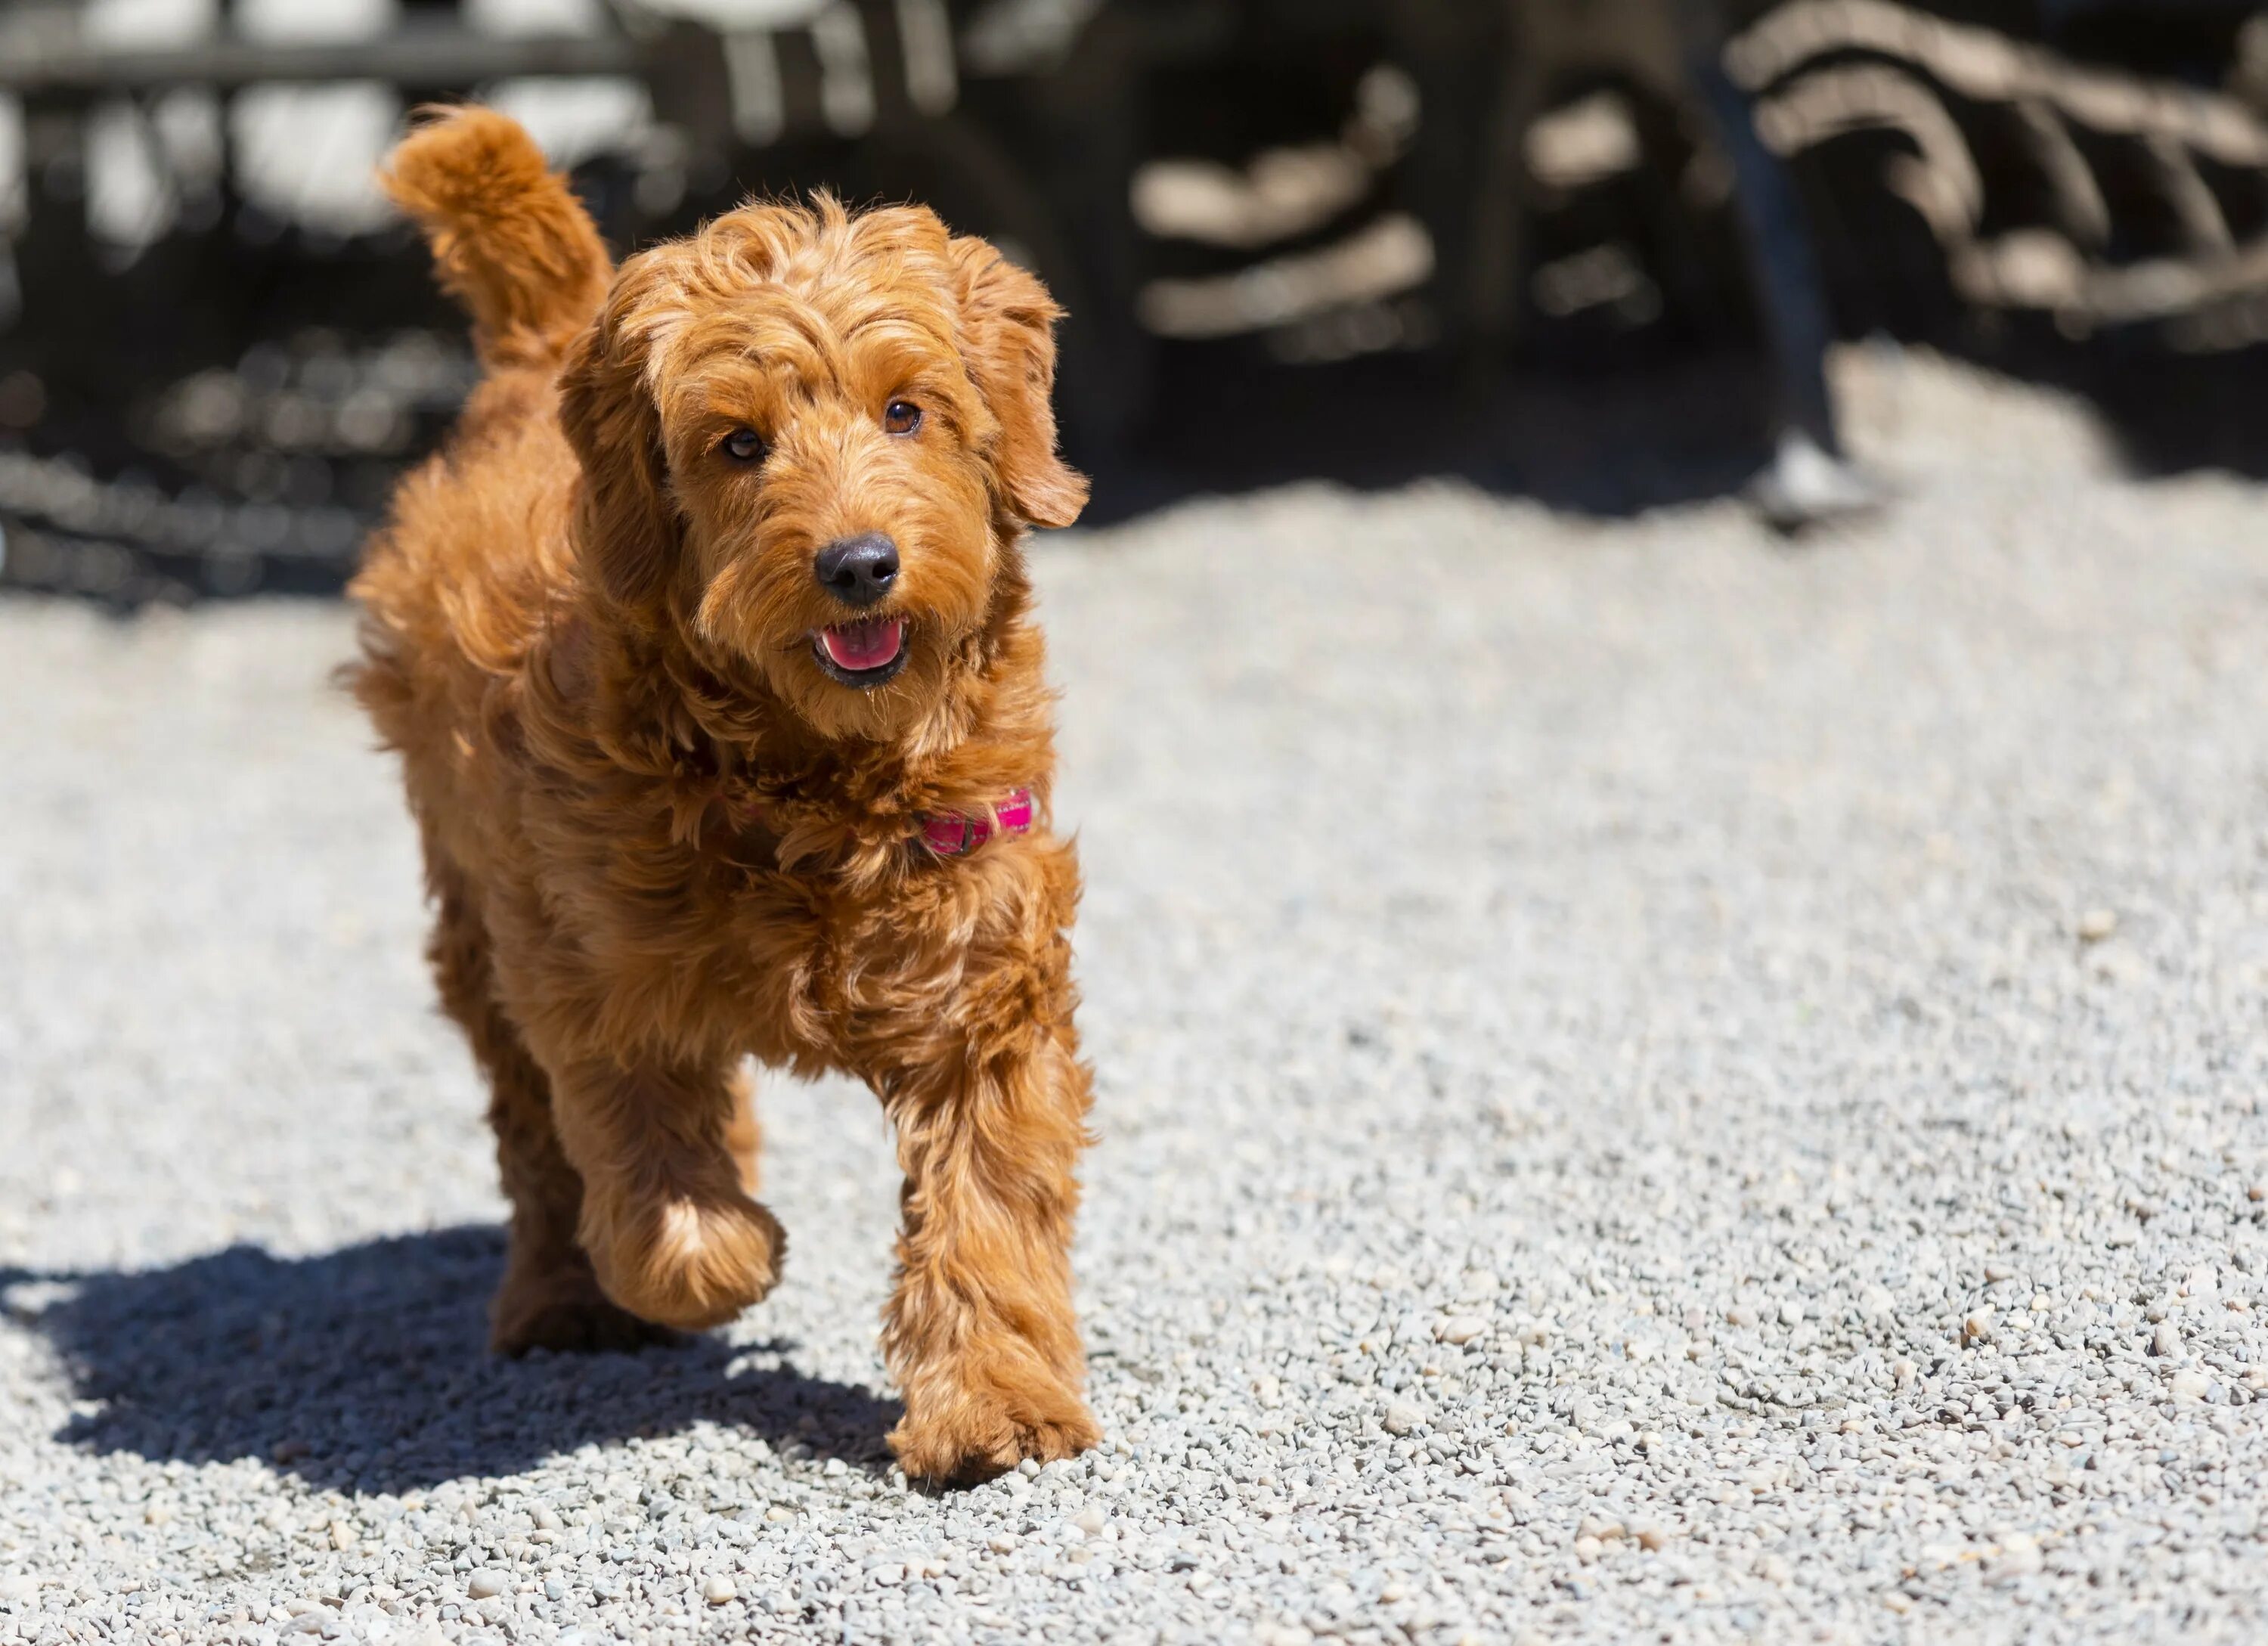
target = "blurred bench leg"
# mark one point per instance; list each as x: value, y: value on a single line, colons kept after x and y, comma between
x: 1451, y: 51
x: 1090, y: 114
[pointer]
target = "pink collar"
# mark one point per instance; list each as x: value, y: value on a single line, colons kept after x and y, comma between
x: 950, y: 834
x: 956, y: 834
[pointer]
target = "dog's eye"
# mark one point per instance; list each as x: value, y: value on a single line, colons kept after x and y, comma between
x: 900, y: 417
x: 744, y: 446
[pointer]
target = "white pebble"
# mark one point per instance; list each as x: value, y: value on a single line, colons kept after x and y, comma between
x: 2021, y: 1558
x: 1404, y: 1416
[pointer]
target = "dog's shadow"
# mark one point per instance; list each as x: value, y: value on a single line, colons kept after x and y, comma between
x: 366, y: 1369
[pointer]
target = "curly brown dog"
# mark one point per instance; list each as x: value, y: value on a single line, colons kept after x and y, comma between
x: 707, y: 646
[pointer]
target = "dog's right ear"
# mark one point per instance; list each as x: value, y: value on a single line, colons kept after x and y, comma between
x: 627, y: 521
x: 1009, y: 320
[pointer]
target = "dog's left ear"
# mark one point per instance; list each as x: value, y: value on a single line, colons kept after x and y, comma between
x: 1008, y: 326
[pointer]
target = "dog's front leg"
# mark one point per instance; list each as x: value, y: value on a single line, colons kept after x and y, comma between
x: 979, y: 1332
x: 672, y: 1234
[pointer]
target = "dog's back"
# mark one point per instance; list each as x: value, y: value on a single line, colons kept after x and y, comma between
x: 475, y: 552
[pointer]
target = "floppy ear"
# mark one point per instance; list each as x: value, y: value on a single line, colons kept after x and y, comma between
x: 627, y: 523
x: 1007, y: 323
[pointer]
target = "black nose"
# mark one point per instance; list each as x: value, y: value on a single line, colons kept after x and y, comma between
x: 857, y: 571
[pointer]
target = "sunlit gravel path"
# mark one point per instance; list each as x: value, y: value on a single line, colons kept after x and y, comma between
x: 1652, y: 1084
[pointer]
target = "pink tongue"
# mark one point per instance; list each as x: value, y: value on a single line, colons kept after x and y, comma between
x: 858, y: 647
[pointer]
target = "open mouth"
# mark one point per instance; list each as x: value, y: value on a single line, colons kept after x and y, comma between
x: 862, y: 653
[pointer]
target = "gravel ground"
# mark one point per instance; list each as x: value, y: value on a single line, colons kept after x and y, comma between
x: 1652, y: 1084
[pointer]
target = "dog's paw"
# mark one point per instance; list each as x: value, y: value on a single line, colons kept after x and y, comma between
x: 684, y: 1263
x: 571, y: 1318
x: 960, y: 1435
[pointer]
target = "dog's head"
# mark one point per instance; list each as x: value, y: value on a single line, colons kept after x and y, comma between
x: 810, y: 438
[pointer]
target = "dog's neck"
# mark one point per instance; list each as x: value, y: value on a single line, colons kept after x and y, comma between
x: 706, y: 731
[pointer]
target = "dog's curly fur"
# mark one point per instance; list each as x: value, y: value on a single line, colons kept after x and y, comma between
x: 663, y: 835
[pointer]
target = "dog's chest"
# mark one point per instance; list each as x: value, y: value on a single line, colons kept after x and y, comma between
x: 826, y: 953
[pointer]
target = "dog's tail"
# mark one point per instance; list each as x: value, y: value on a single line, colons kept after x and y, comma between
x: 510, y: 240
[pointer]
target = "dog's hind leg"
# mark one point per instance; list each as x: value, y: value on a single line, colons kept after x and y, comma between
x: 549, y: 1297
x: 744, y: 1140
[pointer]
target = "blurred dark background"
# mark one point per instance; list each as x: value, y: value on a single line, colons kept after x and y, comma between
x: 1595, y: 251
